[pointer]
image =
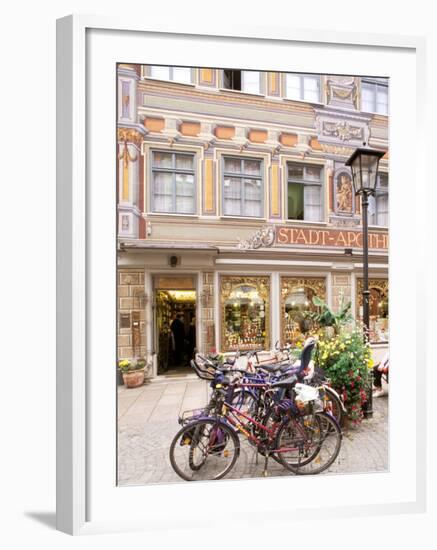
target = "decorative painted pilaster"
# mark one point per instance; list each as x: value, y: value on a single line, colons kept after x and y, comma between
x: 129, y: 136
x: 275, y: 188
x: 131, y: 337
x: 209, y: 199
x: 127, y: 94
x: 207, y: 77
x: 207, y: 308
x: 129, y: 182
x: 273, y: 84
x: 341, y: 290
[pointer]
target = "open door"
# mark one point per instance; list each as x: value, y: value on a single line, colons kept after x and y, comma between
x: 175, y: 323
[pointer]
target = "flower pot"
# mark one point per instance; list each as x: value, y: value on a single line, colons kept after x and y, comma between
x: 134, y: 378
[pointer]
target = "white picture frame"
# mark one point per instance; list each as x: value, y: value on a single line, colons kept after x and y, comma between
x: 82, y: 488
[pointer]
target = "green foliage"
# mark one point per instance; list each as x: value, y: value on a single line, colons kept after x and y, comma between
x: 126, y: 365
x: 325, y: 317
x: 346, y: 360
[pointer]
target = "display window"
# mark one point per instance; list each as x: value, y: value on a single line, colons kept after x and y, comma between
x: 245, y: 313
x: 378, y: 309
x: 297, y: 305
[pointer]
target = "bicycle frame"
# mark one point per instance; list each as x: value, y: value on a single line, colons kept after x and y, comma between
x: 234, y: 421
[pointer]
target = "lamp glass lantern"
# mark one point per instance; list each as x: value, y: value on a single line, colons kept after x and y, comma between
x: 364, y: 163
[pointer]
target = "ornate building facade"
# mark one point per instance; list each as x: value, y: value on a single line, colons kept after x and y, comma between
x: 235, y: 206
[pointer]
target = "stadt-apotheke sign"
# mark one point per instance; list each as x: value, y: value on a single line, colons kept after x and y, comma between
x: 329, y: 237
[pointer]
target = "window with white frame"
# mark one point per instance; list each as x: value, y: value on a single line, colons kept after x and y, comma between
x: 374, y: 95
x: 302, y: 87
x: 245, y: 81
x: 243, y: 187
x: 378, y: 203
x: 173, y: 188
x: 304, y: 192
x: 176, y: 74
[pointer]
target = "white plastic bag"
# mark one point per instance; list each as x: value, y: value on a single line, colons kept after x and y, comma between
x: 306, y: 393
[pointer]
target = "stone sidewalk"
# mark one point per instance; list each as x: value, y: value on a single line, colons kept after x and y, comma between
x: 147, y: 422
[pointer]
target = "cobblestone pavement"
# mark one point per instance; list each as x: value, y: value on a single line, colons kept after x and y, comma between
x: 147, y: 422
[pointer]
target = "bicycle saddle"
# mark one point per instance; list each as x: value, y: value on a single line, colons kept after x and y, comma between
x: 272, y: 368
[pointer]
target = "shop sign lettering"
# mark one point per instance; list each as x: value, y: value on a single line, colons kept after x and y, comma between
x: 329, y: 237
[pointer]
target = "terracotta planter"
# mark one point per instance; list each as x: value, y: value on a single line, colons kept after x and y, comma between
x: 134, y: 378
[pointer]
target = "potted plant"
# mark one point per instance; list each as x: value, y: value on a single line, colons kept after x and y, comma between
x: 328, y: 321
x: 133, y: 372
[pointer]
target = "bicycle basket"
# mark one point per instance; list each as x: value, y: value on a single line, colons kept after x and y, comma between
x: 193, y: 414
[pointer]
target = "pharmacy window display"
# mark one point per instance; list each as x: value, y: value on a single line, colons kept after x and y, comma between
x: 378, y: 308
x: 297, y: 306
x: 245, y: 313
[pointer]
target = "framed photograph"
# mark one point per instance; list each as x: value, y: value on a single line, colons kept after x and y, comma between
x: 231, y: 274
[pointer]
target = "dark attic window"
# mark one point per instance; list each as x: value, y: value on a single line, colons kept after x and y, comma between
x: 232, y: 79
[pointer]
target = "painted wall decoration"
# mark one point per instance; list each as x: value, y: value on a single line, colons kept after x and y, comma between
x: 125, y: 98
x: 344, y: 193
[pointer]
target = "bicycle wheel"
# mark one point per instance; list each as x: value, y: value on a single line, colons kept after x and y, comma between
x: 195, y: 459
x: 333, y: 405
x: 204, y: 449
x: 308, y: 445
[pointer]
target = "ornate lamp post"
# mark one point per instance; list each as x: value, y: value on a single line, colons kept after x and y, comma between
x: 364, y: 163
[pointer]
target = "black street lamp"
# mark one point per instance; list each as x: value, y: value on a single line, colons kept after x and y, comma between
x: 364, y: 163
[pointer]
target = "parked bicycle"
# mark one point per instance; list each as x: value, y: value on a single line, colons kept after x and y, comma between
x: 295, y: 430
x: 259, y: 372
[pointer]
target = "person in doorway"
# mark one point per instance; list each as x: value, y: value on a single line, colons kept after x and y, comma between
x: 378, y: 371
x: 191, y: 337
x: 178, y: 330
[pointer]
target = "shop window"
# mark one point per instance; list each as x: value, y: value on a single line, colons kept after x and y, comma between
x: 304, y: 192
x: 243, y: 187
x: 245, y: 313
x: 297, y: 304
x: 245, y: 81
x: 176, y: 74
x: 378, y: 308
x: 302, y: 87
x: 173, y: 183
x: 378, y: 204
x: 374, y: 95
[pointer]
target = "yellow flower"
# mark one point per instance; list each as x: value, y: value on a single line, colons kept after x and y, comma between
x: 325, y: 356
x: 370, y: 363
